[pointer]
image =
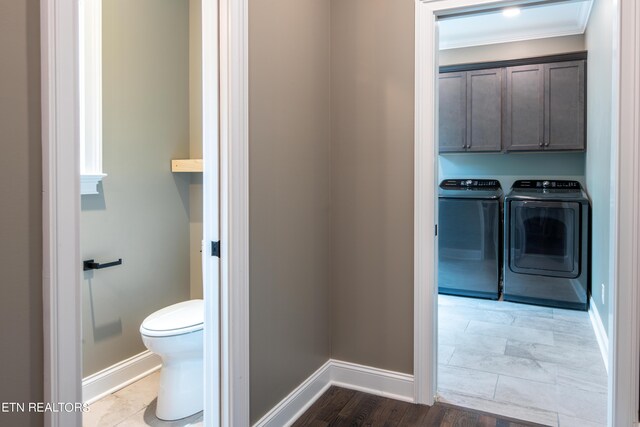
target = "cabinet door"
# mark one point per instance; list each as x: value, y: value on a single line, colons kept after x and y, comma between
x: 564, y: 106
x: 452, y: 112
x: 524, y: 114
x: 484, y: 110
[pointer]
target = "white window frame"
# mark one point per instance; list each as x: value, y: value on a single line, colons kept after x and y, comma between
x: 90, y: 95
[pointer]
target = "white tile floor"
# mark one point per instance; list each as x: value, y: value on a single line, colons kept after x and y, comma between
x: 133, y: 406
x: 533, y: 363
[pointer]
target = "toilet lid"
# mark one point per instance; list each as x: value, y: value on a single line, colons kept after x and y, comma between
x: 177, y: 319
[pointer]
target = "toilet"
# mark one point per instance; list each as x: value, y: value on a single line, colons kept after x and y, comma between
x: 175, y: 333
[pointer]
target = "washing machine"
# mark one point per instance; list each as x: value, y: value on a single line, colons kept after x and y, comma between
x: 546, y: 244
x: 469, y: 237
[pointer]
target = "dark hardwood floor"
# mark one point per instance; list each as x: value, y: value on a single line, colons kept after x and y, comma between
x: 342, y: 407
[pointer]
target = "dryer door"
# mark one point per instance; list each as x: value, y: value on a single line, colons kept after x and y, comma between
x: 544, y: 238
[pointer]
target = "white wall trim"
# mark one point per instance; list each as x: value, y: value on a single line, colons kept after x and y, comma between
x: 393, y: 385
x: 216, y: 301
x: 118, y: 376
x: 425, y: 209
x: 600, y: 331
x: 61, y: 208
x: 234, y: 203
x: 624, y: 318
x: 381, y: 382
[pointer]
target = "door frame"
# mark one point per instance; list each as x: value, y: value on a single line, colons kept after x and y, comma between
x: 224, y: 62
x: 624, y: 292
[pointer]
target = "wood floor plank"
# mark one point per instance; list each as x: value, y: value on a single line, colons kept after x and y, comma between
x: 388, y: 414
x: 339, y: 407
x: 435, y: 416
x: 327, y: 407
x: 415, y: 416
x: 357, y: 410
x: 458, y: 418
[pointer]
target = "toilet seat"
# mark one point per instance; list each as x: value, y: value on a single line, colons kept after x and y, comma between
x: 177, y: 319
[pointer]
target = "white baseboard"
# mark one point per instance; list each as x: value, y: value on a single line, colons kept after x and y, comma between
x: 601, y: 333
x: 107, y: 381
x: 381, y: 382
x: 343, y: 374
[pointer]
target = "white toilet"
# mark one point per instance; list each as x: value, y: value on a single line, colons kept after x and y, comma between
x: 175, y: 333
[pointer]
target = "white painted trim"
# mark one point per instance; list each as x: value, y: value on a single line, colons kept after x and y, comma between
x: 89, y: 183
x: 118, y: 376
x: 90, y: 94
x: 600, y: 331
x: 234, y: 199
x: 393, y: 385
x: 61, y: 208
x: 624, y: 318
x: 299, y: 400
x: 215, y: 301
x: 381, y: 382
x: 425, y: 209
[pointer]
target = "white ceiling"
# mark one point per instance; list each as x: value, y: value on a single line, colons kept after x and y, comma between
x: 534, y: 22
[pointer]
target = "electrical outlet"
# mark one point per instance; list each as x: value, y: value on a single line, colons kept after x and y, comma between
x: 602, y: 293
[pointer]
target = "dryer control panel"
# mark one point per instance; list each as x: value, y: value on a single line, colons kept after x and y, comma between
x: 547, y: 184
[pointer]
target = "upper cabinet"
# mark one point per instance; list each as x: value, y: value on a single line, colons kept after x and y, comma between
x: 524, y: 110
x: 545, y: 107
x: 470, y: 111
x: 528, y: 107
x: 452, y: 112
x: 484, y: 110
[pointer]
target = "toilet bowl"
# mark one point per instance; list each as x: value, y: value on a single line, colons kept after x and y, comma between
x: 175, y: 333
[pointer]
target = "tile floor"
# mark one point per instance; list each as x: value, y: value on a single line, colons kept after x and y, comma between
x: 133, y: 406
x: 532, y: 363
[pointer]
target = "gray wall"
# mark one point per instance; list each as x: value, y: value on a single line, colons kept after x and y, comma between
x: 599, y: 41
x: 509, y: 167
x: 372, y: 71
x: 503, y: 51
x: 142, y: 211
x: 21, y: 213
x: 289, y: 159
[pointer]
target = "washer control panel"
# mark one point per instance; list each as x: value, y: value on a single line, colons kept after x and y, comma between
x: 470, y: 184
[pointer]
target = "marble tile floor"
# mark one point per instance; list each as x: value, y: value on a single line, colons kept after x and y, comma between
x: 133, y: 406
x: 537, y: 364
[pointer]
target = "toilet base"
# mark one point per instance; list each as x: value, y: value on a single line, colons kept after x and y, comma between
x: 180, y: 394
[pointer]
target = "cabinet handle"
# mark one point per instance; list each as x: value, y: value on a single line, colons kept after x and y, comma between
x: 541, y: 144
x: 546, y: 144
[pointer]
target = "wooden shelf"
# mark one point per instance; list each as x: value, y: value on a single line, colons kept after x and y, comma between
x: 186, y: 165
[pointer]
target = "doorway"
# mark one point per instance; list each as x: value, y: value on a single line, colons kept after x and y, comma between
x: 427, y: 16
x: 61, y: 145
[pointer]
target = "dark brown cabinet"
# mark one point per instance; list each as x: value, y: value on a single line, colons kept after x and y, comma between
x: 529, y: 107
x: 470, y: 111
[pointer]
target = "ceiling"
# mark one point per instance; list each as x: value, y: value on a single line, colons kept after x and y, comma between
x: 533, y: 22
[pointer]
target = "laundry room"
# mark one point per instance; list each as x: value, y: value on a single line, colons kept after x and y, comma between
x: 523, y: 211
